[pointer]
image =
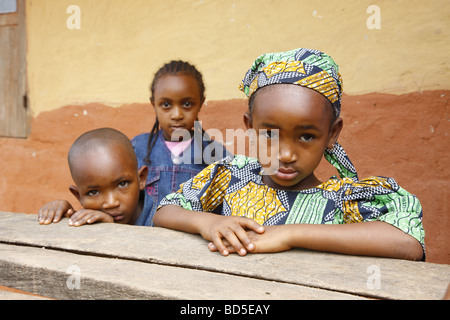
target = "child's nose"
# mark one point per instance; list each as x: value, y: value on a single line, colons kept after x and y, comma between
x: 176, y: 114
x: 286, y: 154
x: 110, y: 201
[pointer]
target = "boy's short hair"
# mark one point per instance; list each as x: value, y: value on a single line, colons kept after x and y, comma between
x: 94, y: 139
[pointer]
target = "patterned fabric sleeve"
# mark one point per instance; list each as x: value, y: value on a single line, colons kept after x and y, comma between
x: 404, y: 211
x: 380, y: 199
x: 204, y: 192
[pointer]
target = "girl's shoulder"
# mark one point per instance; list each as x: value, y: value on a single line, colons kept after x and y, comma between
x: 139, y: 139
x: 237, y: 165
x: 236, y: 160
x: 241, y: 161
x: 140, y: 142
x: 140, y: 145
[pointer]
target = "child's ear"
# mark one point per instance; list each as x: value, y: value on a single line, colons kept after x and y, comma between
x: 143, y: 172
x: 75, y: 192
x: 335, y: 132
x: 248, y: 120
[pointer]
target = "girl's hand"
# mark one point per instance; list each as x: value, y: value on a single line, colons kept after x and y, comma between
x: 88, y: 216
x: 231, y: 232
x: 213, y: 227
x: 274, y: 239
x: 54, y: 211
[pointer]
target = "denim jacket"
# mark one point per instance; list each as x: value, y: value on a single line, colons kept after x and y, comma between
x: 166, y: 172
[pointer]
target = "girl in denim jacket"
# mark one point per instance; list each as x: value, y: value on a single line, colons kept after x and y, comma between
x: 177, y: 148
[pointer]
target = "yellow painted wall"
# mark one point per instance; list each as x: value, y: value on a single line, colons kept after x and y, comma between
x: 113, y: 56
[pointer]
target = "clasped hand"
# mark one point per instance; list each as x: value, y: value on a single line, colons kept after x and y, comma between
x: 242, y: 235
x: 55, y: 210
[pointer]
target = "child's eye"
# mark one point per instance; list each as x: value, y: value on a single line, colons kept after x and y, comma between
x: 306, y: 137
x: 123, y: 184
x: 92, y: 193
x: 269, y: 134
x: 165, y: 104
x: 187, y: 104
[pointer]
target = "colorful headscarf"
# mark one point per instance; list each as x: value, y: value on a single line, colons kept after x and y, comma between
x: 308, y: 68
x: 305, y: 67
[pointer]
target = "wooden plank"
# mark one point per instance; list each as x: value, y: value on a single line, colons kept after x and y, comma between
x: 22, y: 115
x: 8, y: 295
x: 398, y: 279
x: 8, y: 78
x: 53, y: 274
x: 9, y: 19
x: 14, y: 115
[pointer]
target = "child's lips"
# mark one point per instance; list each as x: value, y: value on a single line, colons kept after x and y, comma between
x: 117, y: 216
x: 286, y: 173
x: 177, y: 127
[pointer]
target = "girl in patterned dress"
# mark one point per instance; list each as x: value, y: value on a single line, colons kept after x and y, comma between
x: 241, y: 204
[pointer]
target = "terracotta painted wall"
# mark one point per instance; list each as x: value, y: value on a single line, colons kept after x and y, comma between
x: 396, y: 83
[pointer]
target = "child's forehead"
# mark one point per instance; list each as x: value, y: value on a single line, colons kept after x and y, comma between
x: 105, y: 156
x: 100, y: 169
x: 112, y: 148
x: 278, y: 96
x: 176, y: 77
x: 289, y: 88
x: 173, y: 87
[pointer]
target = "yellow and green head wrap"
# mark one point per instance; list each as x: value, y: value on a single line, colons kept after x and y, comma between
x: 305, y: 67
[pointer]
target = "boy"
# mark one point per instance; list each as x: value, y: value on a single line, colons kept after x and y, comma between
x: 107, y: 180
x: 295, y: 97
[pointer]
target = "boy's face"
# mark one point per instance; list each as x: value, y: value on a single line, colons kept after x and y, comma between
x: 107, y: 180
x: 304, y: 132
x: 177, y: 102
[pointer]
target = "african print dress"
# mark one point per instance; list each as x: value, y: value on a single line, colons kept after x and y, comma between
x: 234, y: 187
